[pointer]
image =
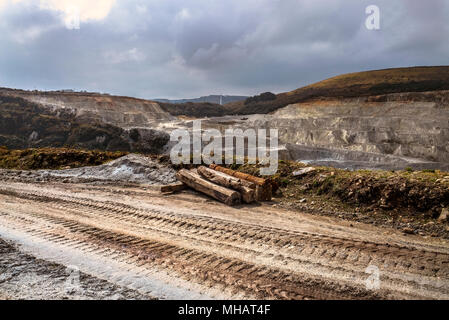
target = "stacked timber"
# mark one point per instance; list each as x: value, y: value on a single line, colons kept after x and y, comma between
x: 246, y: 188
x: 263, y: 186
x: 195, y: 181
x: 226, y: 185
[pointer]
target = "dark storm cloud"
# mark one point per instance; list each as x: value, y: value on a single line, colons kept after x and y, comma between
x: 189, y: 48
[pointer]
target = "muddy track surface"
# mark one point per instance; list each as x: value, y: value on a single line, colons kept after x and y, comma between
x: 23, y: 276
x: 187, y: 246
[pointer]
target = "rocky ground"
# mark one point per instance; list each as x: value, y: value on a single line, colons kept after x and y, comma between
x: 107, y: 221
x: 108, y: 210
x: 128, y: 169
x: 187, y: 246
x: 23, y: 276
x: 414, y: 202
x: 407, y: 225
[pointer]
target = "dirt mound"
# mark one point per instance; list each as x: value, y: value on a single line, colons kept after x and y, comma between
x: 404, y: 199
x: 129, y: 169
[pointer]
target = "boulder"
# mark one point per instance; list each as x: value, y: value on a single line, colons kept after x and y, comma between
x: 444, y: 215
x: 303, y: 172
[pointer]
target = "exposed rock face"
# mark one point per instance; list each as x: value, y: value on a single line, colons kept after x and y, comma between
x: 119, y: 111
x: 399, y: 128
x: 389, y: 131
x: 25, y: 124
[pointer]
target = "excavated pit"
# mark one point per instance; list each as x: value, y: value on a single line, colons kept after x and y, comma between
x: 389, y: 132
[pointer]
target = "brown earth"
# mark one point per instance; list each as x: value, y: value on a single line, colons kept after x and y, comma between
x: 24, y: 277
x: 408, y: 200
x: 411, y: 201
x: 135, y: 237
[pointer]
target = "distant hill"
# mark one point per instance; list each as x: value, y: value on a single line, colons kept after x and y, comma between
x: 194, y: 110
x: 217, y: 99
x: 360, y: 84
x: 352, y: 85
x: 131, y: 112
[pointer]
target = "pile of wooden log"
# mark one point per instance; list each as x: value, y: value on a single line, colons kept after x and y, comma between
x: 228, y: 186
x: 263, y: 186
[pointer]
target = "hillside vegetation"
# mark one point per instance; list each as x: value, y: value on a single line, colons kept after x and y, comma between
x: 54, y: 158
x: 126, y: 111
x: 360, y: 84
x: 215, y: 99
x: 194, y: 109
x: 407, y: 199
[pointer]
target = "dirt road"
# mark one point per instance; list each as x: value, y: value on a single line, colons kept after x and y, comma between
x: 187, y: 246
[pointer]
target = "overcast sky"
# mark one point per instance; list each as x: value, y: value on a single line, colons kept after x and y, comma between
x: 189, y: 48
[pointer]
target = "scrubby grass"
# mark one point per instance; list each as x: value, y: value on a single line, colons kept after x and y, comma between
x: 422, y: 193
x: 361, y: 84
x: 412, y: 193
x: 53, y: 158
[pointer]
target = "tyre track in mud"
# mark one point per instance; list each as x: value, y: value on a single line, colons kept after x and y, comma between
x: 262, y: 261
x: 422, y: 262
x: 193, y: 265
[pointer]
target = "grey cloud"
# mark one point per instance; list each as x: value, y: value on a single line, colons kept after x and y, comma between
x: 180, y: 49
